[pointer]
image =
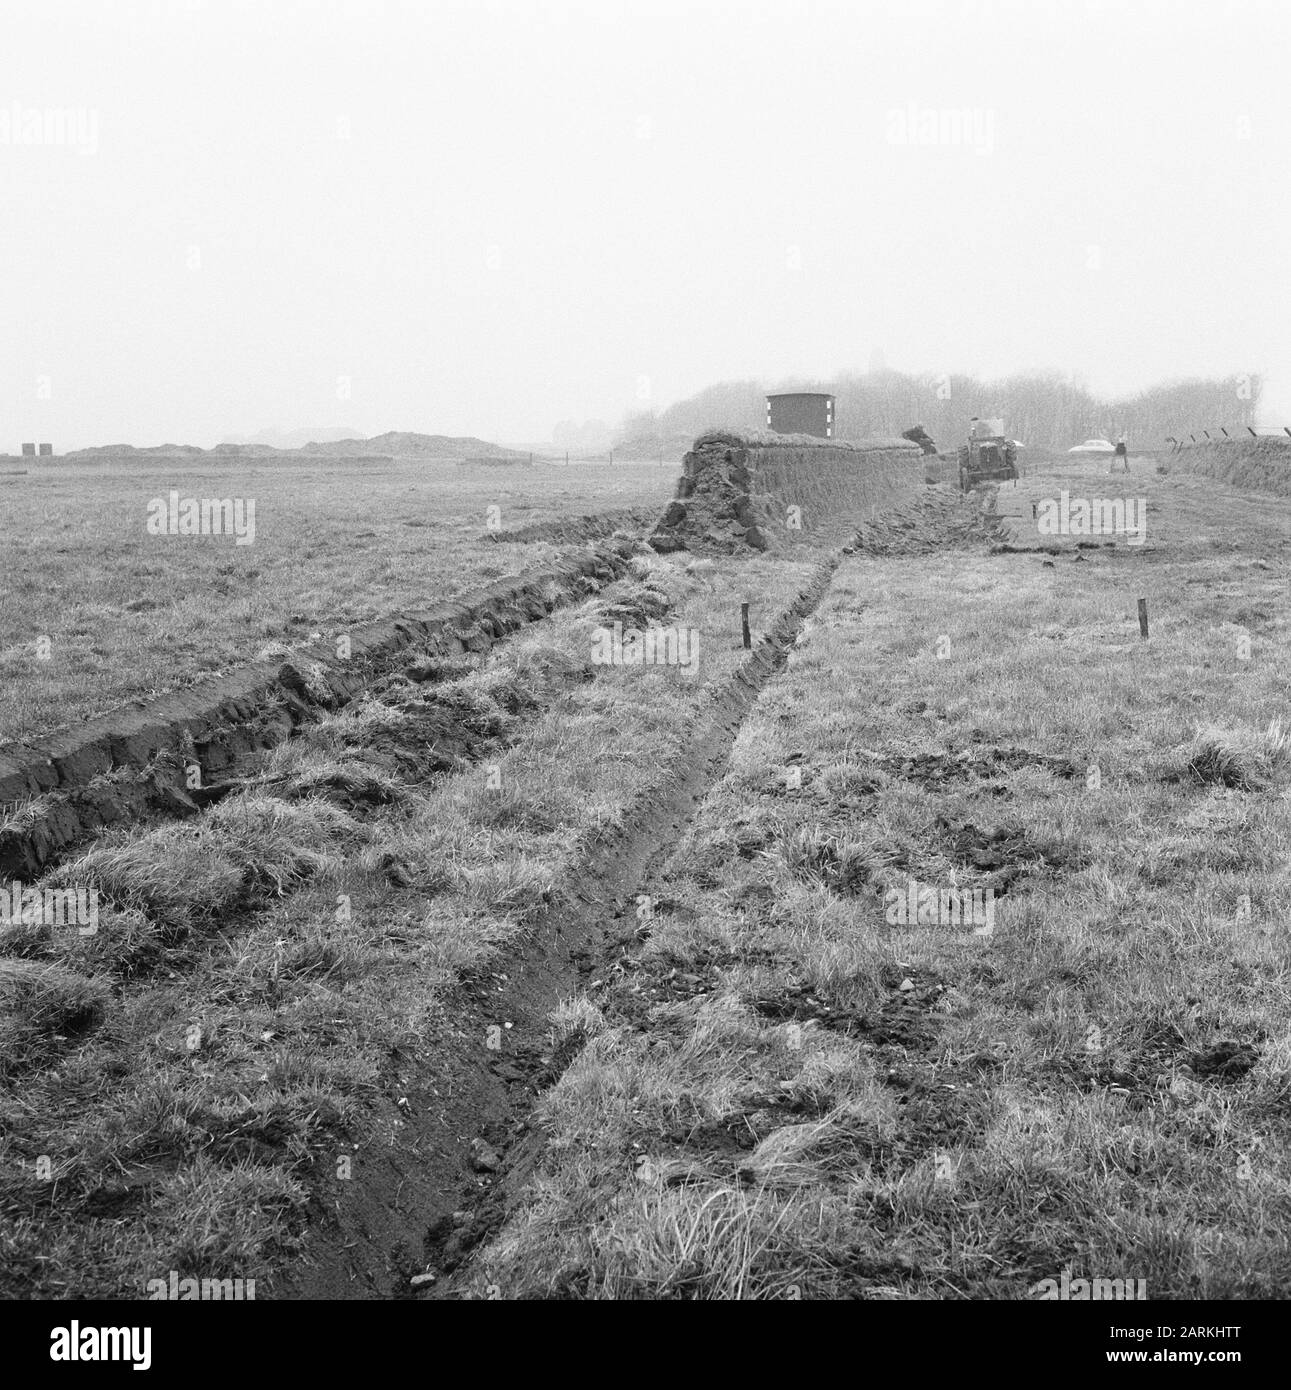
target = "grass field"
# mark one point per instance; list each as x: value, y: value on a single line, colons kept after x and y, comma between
x: 229, y: 1025
x: 129, y: 614
x: 763, y: 1082
x: 785, y: 1093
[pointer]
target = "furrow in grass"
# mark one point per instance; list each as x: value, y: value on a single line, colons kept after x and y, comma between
x: 782, y: 1087
x: 280, y: 1043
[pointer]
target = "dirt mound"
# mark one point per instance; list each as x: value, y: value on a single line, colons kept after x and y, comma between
x: 572, y: 529
x: 763, y: 491
x: 935, y: 771
x: 940, y: 519
x: 920, y: 436
x: 1005, y: 853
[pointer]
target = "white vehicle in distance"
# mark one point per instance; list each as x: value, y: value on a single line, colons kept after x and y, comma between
x: 1093, y: 446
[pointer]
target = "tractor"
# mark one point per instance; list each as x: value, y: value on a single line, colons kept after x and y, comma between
x: 989, y: 455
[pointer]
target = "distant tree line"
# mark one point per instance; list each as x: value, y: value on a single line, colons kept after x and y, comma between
x: 584, y: 434
x: 1045, y: 410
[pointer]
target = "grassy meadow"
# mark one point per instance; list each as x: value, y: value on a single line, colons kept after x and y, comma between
x: 191, y: 1071
x: 777, y: 1084
x: 792, y: 1090
x: 129, y: 614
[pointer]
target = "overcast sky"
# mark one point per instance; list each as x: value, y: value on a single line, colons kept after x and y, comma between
x: 484, y: 218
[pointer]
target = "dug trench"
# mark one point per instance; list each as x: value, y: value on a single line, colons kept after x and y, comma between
x: 568, y: 530
x: 435, y: 1134
x: 148, y: 760
x: 421, y: 1203
x: 777, y: 1095
x: 92, y: 1077
x: 465, y: 1190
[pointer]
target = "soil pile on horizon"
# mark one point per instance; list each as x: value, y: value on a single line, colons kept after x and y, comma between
x: 754, y: 490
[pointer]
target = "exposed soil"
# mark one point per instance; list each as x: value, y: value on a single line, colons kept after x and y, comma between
x: 714, y: 511
x: 903, y: 1021
x: 741, y: 493
x: 136, y: 761
x: 574, y: 529
x: 464, y: 1146
x: 940, y: 1098
x: 1164, y: 1067
x: 934, y: 771
x: 450, y: 1147
x: 939, y: 519
x: 595, y: 939
x: 1005, y: 854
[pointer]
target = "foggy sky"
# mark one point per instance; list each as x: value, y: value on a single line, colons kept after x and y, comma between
x: 489, y: 217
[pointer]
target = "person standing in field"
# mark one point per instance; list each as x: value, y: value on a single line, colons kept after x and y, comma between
x: 1122, y: 455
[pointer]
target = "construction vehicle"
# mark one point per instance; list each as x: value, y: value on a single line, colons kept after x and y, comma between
x: 988, y: 456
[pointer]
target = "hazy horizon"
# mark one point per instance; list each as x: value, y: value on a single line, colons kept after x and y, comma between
x: 485, y: 219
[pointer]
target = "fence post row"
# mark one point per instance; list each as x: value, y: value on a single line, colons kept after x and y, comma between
x: 1178, y: 443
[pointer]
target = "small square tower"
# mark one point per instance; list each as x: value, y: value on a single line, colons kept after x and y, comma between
x: 801, y: 412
